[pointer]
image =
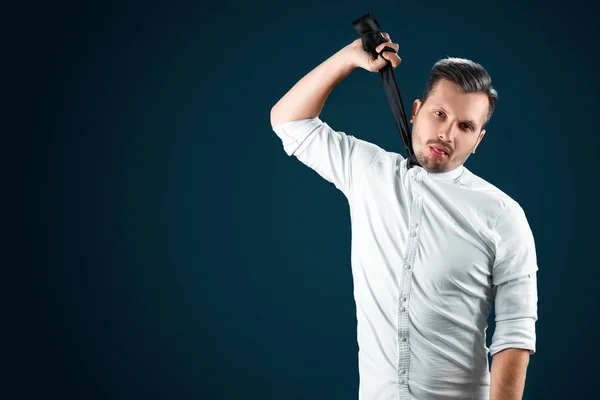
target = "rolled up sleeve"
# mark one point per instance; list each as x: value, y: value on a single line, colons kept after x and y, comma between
x: 514, y: 277
x: 336, y: 156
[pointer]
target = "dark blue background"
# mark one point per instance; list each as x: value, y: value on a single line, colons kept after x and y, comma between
x: 173, y: 251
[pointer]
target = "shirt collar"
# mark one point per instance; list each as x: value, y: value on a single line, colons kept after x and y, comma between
x: 449, y: 175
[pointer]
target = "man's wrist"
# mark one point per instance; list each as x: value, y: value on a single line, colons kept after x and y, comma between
x: 346, y: 58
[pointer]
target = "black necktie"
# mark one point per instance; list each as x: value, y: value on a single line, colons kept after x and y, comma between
x: 368, y: 29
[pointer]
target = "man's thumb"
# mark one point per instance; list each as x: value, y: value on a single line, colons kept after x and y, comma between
x: 377, y: 63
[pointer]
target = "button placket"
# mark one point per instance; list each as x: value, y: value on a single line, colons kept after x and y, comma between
x: 404, y: 297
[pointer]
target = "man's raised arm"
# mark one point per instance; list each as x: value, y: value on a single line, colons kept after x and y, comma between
x: 336, y: 156
x: 307, y: 97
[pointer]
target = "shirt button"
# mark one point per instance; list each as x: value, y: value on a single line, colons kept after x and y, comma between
x: 402, y: 381
x: 417, y: 194
x: 403, y: 371
x: 413, y: 234
x: 404, y: 299
x: 407, y: 266
x: 403, y: 309
x: 415, y: 224
x: 404, y: 339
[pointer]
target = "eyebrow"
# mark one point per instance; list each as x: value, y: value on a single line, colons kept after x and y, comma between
x: 468, y: 121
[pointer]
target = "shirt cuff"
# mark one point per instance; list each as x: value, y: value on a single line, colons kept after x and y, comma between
x: 516, y: 334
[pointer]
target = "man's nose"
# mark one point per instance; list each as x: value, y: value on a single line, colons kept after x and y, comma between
x: 446, y: 133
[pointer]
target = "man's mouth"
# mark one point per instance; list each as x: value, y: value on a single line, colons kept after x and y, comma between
x: 437, y: 152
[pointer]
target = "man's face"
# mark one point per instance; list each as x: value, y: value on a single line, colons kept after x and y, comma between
x: 447, y: 127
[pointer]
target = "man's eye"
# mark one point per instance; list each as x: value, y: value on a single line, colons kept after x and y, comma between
x: 467, y: 126
x: 439, y: 113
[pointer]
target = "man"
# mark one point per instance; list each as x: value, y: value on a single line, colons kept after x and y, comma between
x: 432, y: 246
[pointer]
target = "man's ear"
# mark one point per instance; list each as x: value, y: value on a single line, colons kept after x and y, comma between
x: 481, y: 135
x: 415, y: 109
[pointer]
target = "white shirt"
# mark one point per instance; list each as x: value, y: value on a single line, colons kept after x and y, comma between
x: 430, y: 252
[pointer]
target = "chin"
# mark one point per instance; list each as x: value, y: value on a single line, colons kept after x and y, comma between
x: 432, y: 166
x: 436, y: 168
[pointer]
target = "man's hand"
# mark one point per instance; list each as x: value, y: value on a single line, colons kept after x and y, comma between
x: 360, y: 58
x: 509, y: 368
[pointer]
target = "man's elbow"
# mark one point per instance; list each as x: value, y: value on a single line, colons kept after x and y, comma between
x: 277, y: 117
x: 273, y: 116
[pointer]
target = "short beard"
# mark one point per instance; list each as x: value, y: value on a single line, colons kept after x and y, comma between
x: 431, y: 165
x: 428, y: 163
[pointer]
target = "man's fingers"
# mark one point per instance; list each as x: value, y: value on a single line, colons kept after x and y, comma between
x: 375, y: 64
x: 392, y: 57
x: 387, y: 44
x: 388, y: 55
x: 380, y: 62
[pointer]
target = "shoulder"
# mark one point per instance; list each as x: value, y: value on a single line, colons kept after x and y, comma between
x: 499, y: 201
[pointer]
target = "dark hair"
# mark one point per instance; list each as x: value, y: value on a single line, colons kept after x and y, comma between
x: 468, y: 75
